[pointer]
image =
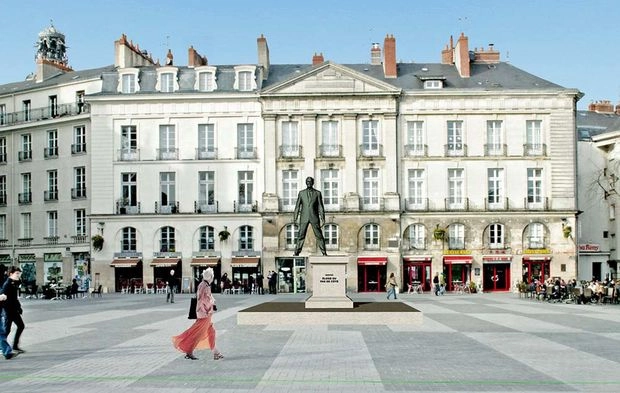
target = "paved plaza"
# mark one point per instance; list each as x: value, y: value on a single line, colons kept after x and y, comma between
x: 466, y: 343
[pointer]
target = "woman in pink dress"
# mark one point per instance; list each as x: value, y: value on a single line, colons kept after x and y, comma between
x: 201, y: 334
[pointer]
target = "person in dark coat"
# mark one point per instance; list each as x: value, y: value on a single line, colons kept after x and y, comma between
x: 11, y: 312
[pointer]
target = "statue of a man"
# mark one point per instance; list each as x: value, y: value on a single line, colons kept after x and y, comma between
x: 309, y: 209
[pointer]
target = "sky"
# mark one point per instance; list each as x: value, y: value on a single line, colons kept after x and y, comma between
x: 572, y: 43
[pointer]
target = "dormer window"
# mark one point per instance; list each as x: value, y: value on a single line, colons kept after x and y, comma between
x: 205, y: 79
x: 167, y: 80
x: 244, y: 78
x: 433, y: 84
x: 128, y: 81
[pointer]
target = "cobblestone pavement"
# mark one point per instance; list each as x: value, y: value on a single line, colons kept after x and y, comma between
x: 467, y: 343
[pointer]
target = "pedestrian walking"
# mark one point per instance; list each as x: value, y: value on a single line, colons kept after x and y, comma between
x: 201, y: 334
x: 391, y: 285
x: 436, y: 284
x: 172, y: 287
x: 11, y: 313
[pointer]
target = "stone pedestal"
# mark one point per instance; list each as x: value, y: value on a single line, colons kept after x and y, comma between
x: 328, y: 282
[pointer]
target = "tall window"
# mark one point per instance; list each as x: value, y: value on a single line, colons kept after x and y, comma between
x: 3, y: 114
x: 370, y: 138
x: 2, y: 226
x: 26, y: 151
x: 330, y: 185
x: 290, y: 234
x: 534, y: 139
x: 246, y: 239
x: 331, y: 236
x: 167, y: 82
x: 79, y: 100
x: 3, y: 190
x: 415, y: 181
x: 80, y: 222
x: 129, y: 143
x: 206, y: 81
x: 535, y: 235
x: 51, y: 150
x: 167, y: 240
x: 167, y: 142
x: 79, y: 174
x: 290, y: 182
x: 456, y: 188
x: 207, y: 238
x: 494, y: 138
x: 167, y: 191
x: 495, y: 191
x: 371, y: 237
x: 26, y: 108
x: 534, y: 187
x: 3, y: 150
x: 206, y: 191
x: 455, y: 138
x: 456, y: 237
x: 128, y: 242
x: 245, y: 141
x: 129, y: 189
x: 26, y: 226
x: 51, y: 194
x: 245, y: 81
x: 370, y: 184
x: 496, y: 236
x: 26, y: 194
x: 415, y: 139
x: 53, y: 106
x: 417, y: 237
x: 52, y: 223
x: 330, y: 139
x: 246, y: 189
x: 128, y: 83
x: 290, y: 139
x: 79, y: 140
x: 206, y: 141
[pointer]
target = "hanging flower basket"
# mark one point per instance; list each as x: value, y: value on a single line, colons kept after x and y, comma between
x: 567, y: 230
x: 439, y: 233
x: 224, y: 234
x: 97, y: 242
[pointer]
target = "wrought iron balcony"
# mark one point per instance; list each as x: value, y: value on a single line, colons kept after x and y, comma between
x: 24, y: 155
x: 50, y: 195
x: 416, y: 150
x: 24, y: 198
x: 129, y: 154
x: 291, y: 151
x: 374, y: 150
x: 78, y: 148
x: 246, y: 152
x: 44, y: 113
x: 50, y: 152
x: 245, y: 207
x: 330, y: 151
x: 78, y: 193
x: 206, y: 153
x: 206, y: 206
x: 168, y: 154
x: 171, y: 208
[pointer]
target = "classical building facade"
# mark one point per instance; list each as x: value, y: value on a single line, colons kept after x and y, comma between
x: 465, y: 167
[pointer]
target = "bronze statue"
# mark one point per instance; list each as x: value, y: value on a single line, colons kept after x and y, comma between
x: 309, y: 209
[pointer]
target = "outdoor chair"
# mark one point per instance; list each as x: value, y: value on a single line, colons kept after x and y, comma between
x: 97, y: 291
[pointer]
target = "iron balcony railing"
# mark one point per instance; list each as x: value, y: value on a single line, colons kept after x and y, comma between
x: 44, y: 113
x: 206, y: 206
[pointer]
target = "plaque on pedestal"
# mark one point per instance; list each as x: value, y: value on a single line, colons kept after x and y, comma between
x: 328, y: 282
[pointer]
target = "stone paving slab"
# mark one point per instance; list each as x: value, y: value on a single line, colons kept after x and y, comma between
x: 465, y: 343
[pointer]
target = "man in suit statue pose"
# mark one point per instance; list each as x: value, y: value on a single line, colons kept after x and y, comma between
x: 309, y: 209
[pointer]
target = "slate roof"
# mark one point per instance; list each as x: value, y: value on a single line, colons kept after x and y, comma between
x: 591, y: 123
x: 58, y: 79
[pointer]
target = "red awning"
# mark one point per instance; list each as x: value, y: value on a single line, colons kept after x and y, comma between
x: 244, y: 262
x: 164, y: 262
x: 205, y: 261
x: 125, y: 262
x: 496, y: 258
x: 457, y: 259
x: 537, y: 258
x: 418, y: 258
x: 372, y: 261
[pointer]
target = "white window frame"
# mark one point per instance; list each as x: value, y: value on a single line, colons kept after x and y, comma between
x: 496, y: 188
x: 129, y: 143
x: 456, y: 188
x: 129, y: 191
x: 534, y: 137
x: 330, y: 186
x: 331, y: 234
x: 245, y: 140
x: 496, y: 236
x: 456, y: 237
x: 167, y: 81
x: 433, y: 84
x: 416, y: 186
x: 26, y: 225
x: 206, y: 141
x: 206, y: 79
x: 371, y: 188
x: 330, y: 137
x: 417, y: 237
x: 206, y: 191
x: 243, y: 80
x: 80, y: 222
x: 371, y: 138
x: 291, y: 233
x: 207, y: 238
x: 167, y: 142
x: 290, y: 189
x: 2, y: 226
x: 535, y: 196
x: 79, y: 175
x: 3, y: 119
x: 128, y: 239
x: 415, y: 145
x: 456, y: 140
x: 495, y: 137
x: 535, y: 235
x: 245, y: 181
x: 167, y: 239
x: 246, y: 238
x: 128, y: 82
x: 290, y: 139
x: 79, y: 139
x: 167, y: 187
x: 372, y: 236
x: 52, y: 223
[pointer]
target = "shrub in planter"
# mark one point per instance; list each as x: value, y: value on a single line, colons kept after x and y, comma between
x: 97, y: 242
x: 224, y: 234
x: 439, y: 233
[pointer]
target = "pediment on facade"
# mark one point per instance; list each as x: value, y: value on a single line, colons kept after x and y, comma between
x: 330, y: 78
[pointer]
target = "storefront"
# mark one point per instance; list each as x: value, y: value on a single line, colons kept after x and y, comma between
x: 536, y: 267
x: 52, y: 268
x: 291, y: 272
x: 127, y: 273
x: 417, y: 271
x: 496, y: 272
x: 244, y: 271
x: 371, y: 274
x: 5, y: 262
x: 457, y: 269
x: 596, y: 263
x: 166, y: 267
x: 199, y: 264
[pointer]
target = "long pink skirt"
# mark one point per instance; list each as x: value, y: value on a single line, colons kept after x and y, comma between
x: 200, y: 335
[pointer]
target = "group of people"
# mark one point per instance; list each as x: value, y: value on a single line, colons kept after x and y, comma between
x: 557, y: 289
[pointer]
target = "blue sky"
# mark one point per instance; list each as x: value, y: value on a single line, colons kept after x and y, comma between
x: 572, y: 42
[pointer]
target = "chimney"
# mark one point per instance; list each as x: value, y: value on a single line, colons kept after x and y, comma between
x: 603, y: 106
x: 389, y: 56
x: 194, y: 59
x: 263, y: 55
x: 617, y: 109
x: 447, y: 55
x: 126, y: 54
x: 48, y: 68
x: 461, y: 56
x: 375, y: 54
x: 317, y: 59
x: 490, y: 56
x: 169, y: 58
